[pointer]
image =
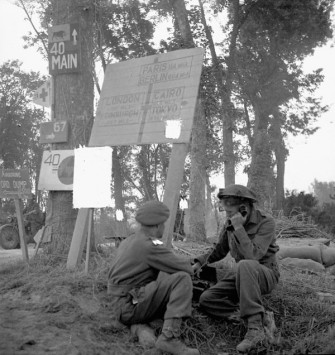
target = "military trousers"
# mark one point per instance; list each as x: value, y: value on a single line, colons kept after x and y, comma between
x: 241, y: 290
x: 170, y: 296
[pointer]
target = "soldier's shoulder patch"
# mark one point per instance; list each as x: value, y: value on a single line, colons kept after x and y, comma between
x: 157, y: 242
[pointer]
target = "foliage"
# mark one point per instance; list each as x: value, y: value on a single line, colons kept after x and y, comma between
x: 124, y: 29
x: 296, y: 203
x: 323, y: 214
x: 19, y: 120
x: 324, y: 191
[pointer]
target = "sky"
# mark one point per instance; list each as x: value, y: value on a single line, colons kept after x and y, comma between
x: 310, y: 157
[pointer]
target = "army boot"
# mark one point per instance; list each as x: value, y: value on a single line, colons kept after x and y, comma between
x: 254, y: 336
x: 169, y: 341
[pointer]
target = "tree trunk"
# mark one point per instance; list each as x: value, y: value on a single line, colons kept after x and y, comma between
x: 227, y: 107
x: 197, y: 203
x: 260, y: 173
x: 73, y: 101
x: 280, y: 154
x: 197, y: 199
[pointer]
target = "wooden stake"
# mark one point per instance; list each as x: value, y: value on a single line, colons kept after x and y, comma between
x: 22, y: 233
x: 172, y: 187
x: 78, y: 239
x: 89, y: 233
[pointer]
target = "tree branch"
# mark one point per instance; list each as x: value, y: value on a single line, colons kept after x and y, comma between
x: 33, y: 26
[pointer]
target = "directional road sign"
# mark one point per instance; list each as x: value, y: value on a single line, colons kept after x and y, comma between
x: 64, y: 49
x: 149, y: 100
x: 54, y: 132
x: 15, y: 183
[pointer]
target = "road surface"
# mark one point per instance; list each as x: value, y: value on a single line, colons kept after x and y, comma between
x: 9, y: 256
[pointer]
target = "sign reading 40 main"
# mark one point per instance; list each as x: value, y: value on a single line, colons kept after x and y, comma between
x: 64, y: 49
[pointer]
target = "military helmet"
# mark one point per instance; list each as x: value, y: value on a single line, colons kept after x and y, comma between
x: 237, y: 191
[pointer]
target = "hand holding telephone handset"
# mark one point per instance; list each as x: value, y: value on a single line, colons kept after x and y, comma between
x: 238, y: 219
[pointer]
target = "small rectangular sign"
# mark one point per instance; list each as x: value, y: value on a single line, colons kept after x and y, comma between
x: 15, y: 183
x: 56, y: 170
x: 92, y: 177
x: 54, y: 132
x: 42, y: 96
x: 64, y: 49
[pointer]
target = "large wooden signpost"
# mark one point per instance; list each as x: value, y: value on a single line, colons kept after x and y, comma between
x: 16, y: 184
x: 143, y: 101
x: 141, y: 97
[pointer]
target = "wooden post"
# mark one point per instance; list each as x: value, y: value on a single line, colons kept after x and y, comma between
x: 23, y: 242
x: 172, y: 187
x: 78, y: 239
x: 89, y: 233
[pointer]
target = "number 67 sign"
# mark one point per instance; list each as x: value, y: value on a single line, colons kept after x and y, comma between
x: 54, y: 132
x: 56, y: 170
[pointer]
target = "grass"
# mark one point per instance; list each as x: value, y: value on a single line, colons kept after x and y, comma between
x: 78, y: 303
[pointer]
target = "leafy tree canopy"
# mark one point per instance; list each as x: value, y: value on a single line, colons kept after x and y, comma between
x: 19, y: 120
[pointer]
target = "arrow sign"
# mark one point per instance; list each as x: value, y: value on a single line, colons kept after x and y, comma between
x: 54, y: 132
x: 74, y: 35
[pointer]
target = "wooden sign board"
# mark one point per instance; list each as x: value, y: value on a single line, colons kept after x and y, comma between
x: 54, y: 132
x: 64, y: 49
x: 141, y: 98
x: 15, y: 184
x: 56, y: 172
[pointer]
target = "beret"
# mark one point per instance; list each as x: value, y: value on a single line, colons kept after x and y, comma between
x: 152, y: 213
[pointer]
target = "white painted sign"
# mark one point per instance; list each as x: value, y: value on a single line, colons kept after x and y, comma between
x: 92, y: 177
x: 64, y: 49
x: 56, y: 170
x: 42, y: 96
x: 148, y: 100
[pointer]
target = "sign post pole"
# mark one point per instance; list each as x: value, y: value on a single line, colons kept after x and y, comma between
x: 172, y: 187
x: 20, y: 222
x: 89, y: 233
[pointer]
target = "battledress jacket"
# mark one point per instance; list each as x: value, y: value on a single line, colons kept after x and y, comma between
x: 139, y: 260
x: 256, y: 241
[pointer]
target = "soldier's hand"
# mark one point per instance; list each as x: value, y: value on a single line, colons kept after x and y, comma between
x: 237, y: 220
x: 196, y: 268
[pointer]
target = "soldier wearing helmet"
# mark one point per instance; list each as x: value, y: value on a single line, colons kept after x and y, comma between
x: 148, y: 281
x: 249, y: 236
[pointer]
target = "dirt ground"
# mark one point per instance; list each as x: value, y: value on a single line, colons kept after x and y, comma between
x: 46, y: 309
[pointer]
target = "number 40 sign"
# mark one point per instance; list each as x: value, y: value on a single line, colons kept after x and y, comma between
x: 56, y: 170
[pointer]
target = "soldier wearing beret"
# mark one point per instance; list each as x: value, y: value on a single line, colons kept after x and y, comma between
x: 249, y: 236
x: 148, y: 281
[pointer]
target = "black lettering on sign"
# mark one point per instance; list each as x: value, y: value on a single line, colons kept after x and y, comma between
x: 175, y: 69
x: 168, y: 93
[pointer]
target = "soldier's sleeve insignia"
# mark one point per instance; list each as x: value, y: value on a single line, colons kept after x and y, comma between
x: 157, y: 242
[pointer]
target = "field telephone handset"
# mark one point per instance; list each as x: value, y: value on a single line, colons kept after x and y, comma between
x: 243, y: 210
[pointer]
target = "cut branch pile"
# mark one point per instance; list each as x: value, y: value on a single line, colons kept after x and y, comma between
x: 298, y: 227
